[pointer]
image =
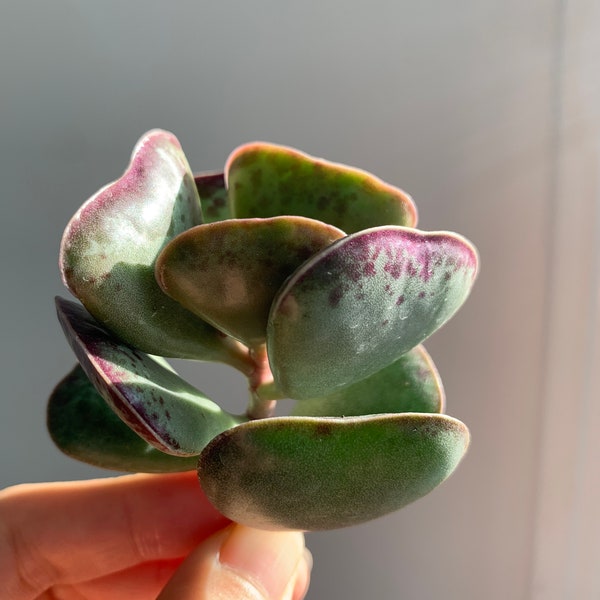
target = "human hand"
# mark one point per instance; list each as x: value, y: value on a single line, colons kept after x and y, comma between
x: 139, y: 537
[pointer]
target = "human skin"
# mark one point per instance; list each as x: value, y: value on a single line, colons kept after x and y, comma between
x: 139, y: 537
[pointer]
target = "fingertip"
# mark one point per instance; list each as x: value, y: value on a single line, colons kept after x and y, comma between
x: 268, y: 559
x: 190, y: 580
x: 303, y: 572
x: 240, y: 563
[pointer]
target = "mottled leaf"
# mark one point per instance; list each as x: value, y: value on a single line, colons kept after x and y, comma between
x: 84, y: 427
x: 360, y: 304
x: 109, y: 248
x: 411, y: 384
x: 151, y: 398
x: 322, y: 473
x: 213, y: 196
x: 229, y: 272
x: 265, y: 180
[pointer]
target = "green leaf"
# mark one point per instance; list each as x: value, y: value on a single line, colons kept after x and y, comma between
x: 229, y: 272
x: 152, y: 399
x: 411, y: 384
x: 360, y: 304
x: 84, y: 427
x: 213, y: 196
x: 265, y: 180
x: 109, y: 248
x: 322, y: 473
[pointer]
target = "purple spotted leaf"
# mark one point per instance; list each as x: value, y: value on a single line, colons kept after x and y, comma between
x: 163, y: 409
x: 85, y: 427
x: 110, y: 246
x: 411, y: 384
x: 360, y: 304
x: 213, y: 196
x: 322, y: 473
x: 229, y: 272
x: 265, y: 180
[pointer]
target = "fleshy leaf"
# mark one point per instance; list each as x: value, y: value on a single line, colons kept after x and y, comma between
x: 151, y: 398
x: 109, y: 248
x: 411, y: 384
x: 322, y: 473
x: 213, y: 196
x: 266, y: 180
x: 84, y: 427
x: 360, y: 304
x: 229, y: 272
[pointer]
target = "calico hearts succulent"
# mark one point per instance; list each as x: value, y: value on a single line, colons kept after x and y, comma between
x: 307, y: 276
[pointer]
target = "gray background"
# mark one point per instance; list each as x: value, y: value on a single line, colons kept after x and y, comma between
x: 454, y: 102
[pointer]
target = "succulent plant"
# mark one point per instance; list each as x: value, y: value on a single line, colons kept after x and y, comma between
x: 307, y: 276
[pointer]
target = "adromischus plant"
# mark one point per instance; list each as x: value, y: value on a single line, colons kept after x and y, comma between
x: 307, y: 276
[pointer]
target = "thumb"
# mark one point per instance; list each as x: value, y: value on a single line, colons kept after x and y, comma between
x: 240, y: 563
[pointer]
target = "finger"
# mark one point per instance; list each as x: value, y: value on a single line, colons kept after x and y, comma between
x: 302, y: 582
x: 240, y: 563
x: 137, y: 583
x: 78, y: 531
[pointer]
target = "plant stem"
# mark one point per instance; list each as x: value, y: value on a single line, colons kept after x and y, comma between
x: 238, y: 356
x: 261, y: 384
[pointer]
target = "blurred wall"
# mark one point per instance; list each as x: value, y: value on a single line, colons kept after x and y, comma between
x: 455, y: 102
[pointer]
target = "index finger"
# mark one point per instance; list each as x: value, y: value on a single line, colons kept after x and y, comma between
x: 76, y: 531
